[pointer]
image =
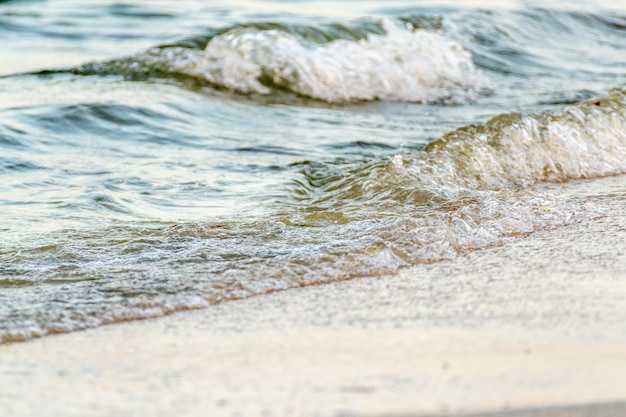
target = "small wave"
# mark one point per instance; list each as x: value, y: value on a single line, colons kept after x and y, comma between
x: 402, y: 64
x: 510, y: 151
x: 470, y: 189
x: 414, y: 59
x: 587, y: 140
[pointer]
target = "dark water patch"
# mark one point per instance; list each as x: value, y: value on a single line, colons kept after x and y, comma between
x: 361, y: 148
x: 13, y: 165
x: 153, y: 64
x: 133, y: 11
x: 11, y: 133
x: 567, y: 98
x: 109, y: 202
x: 118, y: 184
x: 7, y: 26
x: 195, y: 41
x: 69, y: 123
x: 70, y: 118
x: 269, y: 149
x: 496, y: 39
x: 613, y: 21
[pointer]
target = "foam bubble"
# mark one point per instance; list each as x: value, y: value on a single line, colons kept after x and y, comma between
x: 403, y: 64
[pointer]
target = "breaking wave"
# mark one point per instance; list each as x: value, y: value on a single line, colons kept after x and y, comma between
x: 509, y: 152
x: 401, y: 64
x: 411, y: 59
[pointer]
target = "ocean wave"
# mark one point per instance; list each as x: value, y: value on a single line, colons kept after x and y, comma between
x: 409, y: 59
x: 587, y: 140
x: 419, y: 58
x: 473, y: 187
x: 510, y: 151
x: 401, y: 64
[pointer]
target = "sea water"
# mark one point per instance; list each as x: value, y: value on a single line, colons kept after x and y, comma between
x: 158, y: 156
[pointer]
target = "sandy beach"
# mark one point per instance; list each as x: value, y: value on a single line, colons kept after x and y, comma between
x: 531, y: 328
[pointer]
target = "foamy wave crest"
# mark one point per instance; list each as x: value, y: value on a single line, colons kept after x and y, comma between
x: 474, y: 186
x: 404, y: 63
x: 511, y: 151
x: 470, y: 189
x: 587, y: 140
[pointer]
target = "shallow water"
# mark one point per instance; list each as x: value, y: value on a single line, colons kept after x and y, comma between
x: 158, y: 157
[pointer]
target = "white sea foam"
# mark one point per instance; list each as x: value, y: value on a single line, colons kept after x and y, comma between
x: 403, y: 64
x: 587, y: 140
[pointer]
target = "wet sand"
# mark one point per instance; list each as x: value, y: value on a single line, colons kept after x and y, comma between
x: 532, y: 328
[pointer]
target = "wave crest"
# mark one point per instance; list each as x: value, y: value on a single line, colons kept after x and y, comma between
x: 511, y: 152
x: 402, y: 64
x: 587, y: 140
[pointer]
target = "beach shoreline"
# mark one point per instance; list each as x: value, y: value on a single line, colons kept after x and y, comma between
x: 522, y: 329
x: 313, y: 208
